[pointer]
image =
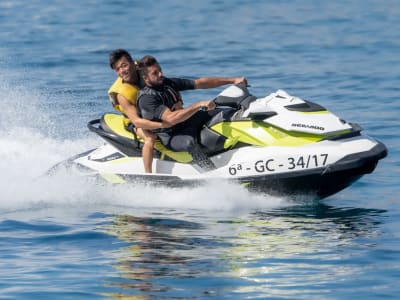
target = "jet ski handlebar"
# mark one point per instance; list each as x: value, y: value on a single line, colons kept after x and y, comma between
x: 236, y: 96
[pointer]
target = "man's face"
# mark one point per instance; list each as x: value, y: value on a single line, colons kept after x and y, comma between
x: 126, y: 70
x: 154, y: 76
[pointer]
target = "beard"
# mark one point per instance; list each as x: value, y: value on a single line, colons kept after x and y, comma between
x: 156, y: 84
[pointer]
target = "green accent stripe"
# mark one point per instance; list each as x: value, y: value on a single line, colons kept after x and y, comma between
x: 112, y: 178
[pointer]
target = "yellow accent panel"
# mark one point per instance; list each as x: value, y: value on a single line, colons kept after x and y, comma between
x: 113, y: 178
x: 320, y: 112
x: 124, y: 160
x: 229, y: 142
x: 115, y: 122
x: 183, y: 157
x: 261, y: 134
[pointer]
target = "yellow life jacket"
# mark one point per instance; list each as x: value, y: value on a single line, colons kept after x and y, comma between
x: 128, y: 91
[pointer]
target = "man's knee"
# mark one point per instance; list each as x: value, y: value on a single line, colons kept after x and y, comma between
x: 150, y: 140
x: 182, y: 143
x: 188, y: 144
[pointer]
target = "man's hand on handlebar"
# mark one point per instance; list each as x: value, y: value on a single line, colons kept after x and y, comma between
x: 207, y: 105
x: 241, y: 80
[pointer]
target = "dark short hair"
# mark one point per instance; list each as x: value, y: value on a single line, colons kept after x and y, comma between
x: 117, y: 54
x: 145, y: 62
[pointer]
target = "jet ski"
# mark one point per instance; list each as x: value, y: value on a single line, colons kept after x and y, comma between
x: 277, y: 144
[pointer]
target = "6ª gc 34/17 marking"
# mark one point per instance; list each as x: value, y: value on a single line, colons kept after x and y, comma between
x: 292, y: 163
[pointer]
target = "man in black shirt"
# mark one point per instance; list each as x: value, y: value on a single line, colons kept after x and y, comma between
x: 160, y: 100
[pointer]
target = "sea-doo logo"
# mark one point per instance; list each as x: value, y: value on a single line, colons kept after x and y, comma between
x: 308, y: 126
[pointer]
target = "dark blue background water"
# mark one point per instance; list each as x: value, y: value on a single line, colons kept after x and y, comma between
x: 64, y: 238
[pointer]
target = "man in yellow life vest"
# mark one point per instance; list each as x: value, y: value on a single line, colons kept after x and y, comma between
x: 123, y: 95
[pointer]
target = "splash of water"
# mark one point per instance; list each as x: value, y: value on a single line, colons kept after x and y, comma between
x: 29, y: 147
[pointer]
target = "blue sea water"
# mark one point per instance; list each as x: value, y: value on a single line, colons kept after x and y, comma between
x: 65, y: 238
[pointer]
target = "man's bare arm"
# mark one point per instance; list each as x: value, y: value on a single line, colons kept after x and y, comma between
x: 131, y: 112
x: 213, y: 82
x: 180, y: 115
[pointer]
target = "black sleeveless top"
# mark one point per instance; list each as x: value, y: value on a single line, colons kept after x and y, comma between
x: 153, y: 101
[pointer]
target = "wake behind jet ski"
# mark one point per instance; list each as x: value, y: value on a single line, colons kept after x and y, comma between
x: 277, y: 144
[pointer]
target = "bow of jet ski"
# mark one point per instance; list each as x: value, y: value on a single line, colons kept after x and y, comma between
x: 278, y: 144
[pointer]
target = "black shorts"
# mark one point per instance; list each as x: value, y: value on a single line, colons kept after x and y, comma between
x: 184, y: 135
